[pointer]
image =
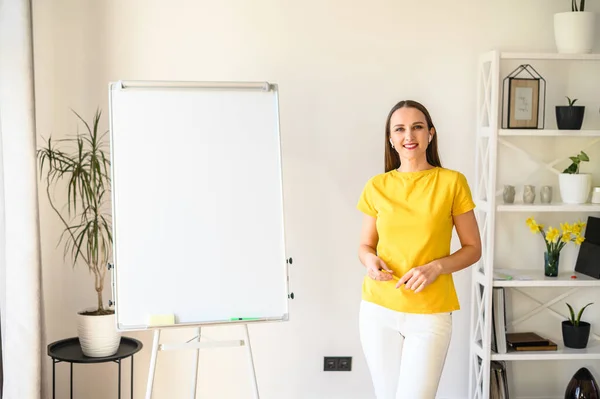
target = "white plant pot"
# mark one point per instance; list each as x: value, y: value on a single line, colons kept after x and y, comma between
x: 575, y: 188
x: 574, y: 32
x: 98, y: 335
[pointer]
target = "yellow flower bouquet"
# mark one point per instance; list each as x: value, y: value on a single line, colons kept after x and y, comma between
x: 555, y: 241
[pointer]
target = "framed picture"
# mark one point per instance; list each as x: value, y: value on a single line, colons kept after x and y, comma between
x: 523, y: 103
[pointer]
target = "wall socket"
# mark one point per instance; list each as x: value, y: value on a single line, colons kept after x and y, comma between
x: 337, y: 363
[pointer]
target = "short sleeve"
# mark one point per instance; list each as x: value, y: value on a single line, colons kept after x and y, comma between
x: 463, y: 200
x: 365, y: 202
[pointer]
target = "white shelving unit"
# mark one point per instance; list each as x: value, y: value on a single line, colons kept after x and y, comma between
x: 490, y: 136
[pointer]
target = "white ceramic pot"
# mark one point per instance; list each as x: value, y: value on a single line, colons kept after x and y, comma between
x: 574, y: 32
x: 98, y: 335
x: 575, y: 188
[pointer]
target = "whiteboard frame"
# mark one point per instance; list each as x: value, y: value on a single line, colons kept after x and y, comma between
x: 220, y: 85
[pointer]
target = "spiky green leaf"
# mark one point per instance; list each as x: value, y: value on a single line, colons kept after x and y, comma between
x: 581, y: 312
x: 572, y: 318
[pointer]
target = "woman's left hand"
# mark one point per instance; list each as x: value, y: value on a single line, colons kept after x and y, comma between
x: 418, y: 278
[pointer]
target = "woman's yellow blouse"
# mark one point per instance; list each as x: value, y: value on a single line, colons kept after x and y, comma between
x: 414, y: 217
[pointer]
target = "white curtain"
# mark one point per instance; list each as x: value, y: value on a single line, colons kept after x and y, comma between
x: 21, y: 309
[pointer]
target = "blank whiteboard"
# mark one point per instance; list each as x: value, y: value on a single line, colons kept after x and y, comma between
x: 198, y: 212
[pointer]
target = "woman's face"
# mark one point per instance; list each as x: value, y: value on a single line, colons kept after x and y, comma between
x: 409, y: 133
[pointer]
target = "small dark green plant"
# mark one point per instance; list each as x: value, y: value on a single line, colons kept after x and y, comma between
x: 574, y: 5
x: 575, y: 320
x: 574, y: 167
x: 571, y: 102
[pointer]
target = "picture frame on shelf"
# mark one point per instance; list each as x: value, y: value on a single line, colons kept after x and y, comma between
x: 523, y: 105
x: 524, y: 98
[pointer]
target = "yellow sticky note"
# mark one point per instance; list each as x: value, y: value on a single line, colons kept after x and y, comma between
x: 161, y: 319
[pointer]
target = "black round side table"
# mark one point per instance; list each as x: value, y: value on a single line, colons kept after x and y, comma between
x: 69, y: 350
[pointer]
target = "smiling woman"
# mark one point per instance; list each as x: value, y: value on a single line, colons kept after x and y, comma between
x: 410, y: 132
x: 408, y: 293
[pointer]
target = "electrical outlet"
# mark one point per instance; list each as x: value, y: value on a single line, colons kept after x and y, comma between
x: 337, y: 363
x: 330, y: 364
x: 345, y: 364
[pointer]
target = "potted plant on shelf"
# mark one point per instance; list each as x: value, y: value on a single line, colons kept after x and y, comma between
x: 555, y: 241
x: 576, y: 332
x: 569, y: 117
x: 83, y: 164
x: 575, y: 187
x: 574, y: 30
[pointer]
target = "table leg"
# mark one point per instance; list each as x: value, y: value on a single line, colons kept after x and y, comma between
x: 131, y: 376
x: 119, y: 361
x: 71, y: 380
x: 53, y: 379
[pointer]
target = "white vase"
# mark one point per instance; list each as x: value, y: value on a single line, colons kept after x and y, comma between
x: 98, y: 335
x: 574, y: 31
x: 575, y: 188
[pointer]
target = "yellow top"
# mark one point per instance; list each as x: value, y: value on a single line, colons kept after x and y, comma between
x: 414, y: 213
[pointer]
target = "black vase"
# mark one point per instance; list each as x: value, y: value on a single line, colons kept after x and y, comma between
x: 582, y: 386
x: 569, y: 117
x: 575, y: 337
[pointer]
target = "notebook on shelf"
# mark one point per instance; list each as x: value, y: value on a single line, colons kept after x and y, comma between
x: 529, y: 341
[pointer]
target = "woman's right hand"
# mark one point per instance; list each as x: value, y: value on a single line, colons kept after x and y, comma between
x: 377, y: 269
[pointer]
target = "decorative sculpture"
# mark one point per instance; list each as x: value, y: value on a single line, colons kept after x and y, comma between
x: 582, y: 386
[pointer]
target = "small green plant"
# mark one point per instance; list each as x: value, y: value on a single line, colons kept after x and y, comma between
x: 571, y: 102
x: 574, y: 167
x: 575, y: 320
x: 574, y: 5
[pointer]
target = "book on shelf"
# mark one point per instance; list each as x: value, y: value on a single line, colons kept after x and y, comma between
x: 508, y: 275
x: 498, y: 381
x: 529, y: 341
x: 498, y: 338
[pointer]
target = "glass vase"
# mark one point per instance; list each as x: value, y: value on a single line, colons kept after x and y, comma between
x: 551, y: 263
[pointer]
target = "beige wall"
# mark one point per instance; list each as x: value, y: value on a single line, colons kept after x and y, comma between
x: 340, y: 66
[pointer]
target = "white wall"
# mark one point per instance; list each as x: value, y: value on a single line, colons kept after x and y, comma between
x: 340, y: 65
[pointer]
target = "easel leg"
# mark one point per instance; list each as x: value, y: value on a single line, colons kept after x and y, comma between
x: 195, y: 367
x: 152, y: 364
x: 251, y: 362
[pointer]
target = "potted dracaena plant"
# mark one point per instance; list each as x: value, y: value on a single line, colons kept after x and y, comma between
x: 575, y: 332
x: 82, y: 163
x: 574, y: 30
x: 569, y: 116
x: 575, y: 187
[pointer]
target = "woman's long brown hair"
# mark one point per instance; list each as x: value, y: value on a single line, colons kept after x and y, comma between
x: 392, y: 159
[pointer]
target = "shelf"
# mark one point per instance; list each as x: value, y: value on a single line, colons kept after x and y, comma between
x: 549, y: 56
x: 549, y: 133
x: 554, y: 207
x: 536, y: 278
x: 562, y: 353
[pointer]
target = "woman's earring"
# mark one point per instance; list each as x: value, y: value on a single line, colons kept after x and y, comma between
x: 392, y: 144
x: 430, y: 137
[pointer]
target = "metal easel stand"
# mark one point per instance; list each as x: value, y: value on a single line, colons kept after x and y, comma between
x: 195, y: 343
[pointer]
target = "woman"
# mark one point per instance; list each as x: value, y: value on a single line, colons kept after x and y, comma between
x: 408, y: 294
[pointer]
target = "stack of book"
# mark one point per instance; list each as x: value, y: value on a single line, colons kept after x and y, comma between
x: 529, y: 341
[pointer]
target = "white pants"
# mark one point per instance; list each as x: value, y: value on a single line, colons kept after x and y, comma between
x: 405, y: 352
